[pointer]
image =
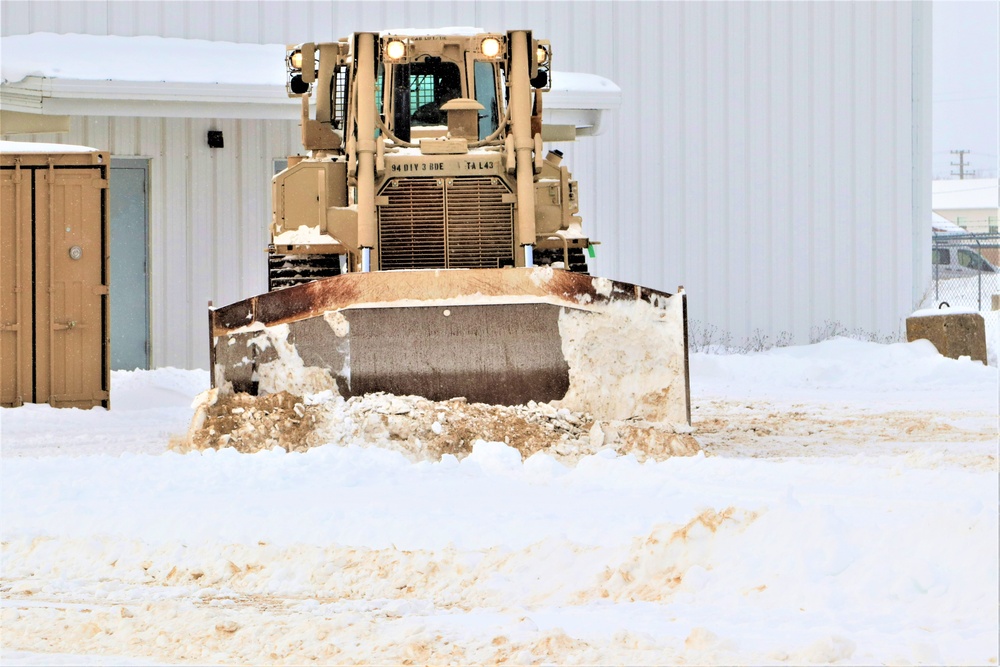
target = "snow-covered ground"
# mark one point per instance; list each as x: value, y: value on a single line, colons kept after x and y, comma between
x: 843, y: 510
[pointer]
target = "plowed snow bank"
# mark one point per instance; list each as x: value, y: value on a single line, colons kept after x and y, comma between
x: 420, y: 429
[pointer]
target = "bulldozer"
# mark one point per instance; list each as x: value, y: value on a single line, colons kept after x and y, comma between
x: 428, y: 244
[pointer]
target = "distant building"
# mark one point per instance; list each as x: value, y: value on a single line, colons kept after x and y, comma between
x: 972, y: 203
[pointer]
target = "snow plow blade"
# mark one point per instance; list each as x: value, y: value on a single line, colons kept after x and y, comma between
x: 497, y: 336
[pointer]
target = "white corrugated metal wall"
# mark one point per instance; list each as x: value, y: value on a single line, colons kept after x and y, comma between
x: 771, y: 157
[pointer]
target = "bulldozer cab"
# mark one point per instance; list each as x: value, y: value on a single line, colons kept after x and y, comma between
x: 415, y: 76
x: 411, y: 104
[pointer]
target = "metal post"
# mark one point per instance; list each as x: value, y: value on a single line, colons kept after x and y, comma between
x: 524, y: 142
x: 211, y: 345
x: 979, y: 275
x: 366, y: 59
x: 366, y: 260
x: 937, y: 273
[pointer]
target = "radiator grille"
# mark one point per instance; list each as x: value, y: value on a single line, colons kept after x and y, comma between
x: 480, y: 224
x: 422, y: 228
x: 411, y: 226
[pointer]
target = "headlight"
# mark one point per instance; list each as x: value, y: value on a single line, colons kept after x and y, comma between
x: 490, y: 47
x: 541, y: 55
x: 395, y: 50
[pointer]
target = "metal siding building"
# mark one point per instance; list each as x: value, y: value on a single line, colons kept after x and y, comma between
x: 772, y: 157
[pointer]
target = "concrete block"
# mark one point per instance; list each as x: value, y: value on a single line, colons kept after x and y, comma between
x: 953, y: 334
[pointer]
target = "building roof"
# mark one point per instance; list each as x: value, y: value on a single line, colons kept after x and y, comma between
x: 107, y: 75
x: 969, y: 193
x: 942, y: 225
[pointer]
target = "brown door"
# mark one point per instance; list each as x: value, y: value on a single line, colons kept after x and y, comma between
x: 54, y: 287
x: 70, y: 292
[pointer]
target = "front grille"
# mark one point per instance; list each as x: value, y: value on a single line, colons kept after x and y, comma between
x: 480, y: 224
x: 461, y: 222
x: 411, y: 227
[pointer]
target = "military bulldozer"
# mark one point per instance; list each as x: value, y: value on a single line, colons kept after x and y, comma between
x: 429, y: 245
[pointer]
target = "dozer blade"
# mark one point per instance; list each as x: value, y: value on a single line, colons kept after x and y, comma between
x: 498, y: 336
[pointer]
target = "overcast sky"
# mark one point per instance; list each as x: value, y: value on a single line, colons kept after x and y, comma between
x: 965, y: 85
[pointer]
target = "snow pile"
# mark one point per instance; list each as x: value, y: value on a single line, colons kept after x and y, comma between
x: 626, y: 360
x: 852, y: 371
x: 421, y: 429
x: 900, y: 400
x: 844, y: 510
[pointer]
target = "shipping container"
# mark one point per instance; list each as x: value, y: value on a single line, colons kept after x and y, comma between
x: 54, y: 310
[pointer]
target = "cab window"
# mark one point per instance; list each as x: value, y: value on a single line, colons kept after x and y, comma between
x: 379, y: 88
x: 486, y: 94
x: 432, y: 83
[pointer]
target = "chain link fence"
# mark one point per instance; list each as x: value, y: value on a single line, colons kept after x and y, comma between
x: 966, y: 270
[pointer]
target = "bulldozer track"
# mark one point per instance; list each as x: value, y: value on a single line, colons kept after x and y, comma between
x: 549, y: 256
x: 290, y: 270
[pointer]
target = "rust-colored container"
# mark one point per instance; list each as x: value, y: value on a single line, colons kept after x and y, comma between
x: 54, y: 310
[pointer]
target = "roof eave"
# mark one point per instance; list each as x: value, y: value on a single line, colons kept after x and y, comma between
x: 74, y: 97
x: 165, y: 99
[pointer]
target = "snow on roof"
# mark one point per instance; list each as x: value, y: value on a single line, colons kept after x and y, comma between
x: 32, y: 147
x: 150, y: 59
x: 170, y: 77
x: 143, y: 76
x: 942, y: 225
x: 969, y: 193
x: 937, y: 312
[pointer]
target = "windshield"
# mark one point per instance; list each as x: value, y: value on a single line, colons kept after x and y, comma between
x: 432, y: 83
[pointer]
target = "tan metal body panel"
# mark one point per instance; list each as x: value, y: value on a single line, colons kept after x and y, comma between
x: 305, y: 191
x: 56, y: 296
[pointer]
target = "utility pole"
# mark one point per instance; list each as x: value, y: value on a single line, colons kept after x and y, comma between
x: 961, y: 164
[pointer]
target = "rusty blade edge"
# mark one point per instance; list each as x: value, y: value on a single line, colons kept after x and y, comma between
x: 329, y: 294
